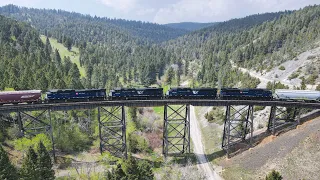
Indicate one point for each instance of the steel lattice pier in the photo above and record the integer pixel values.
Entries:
(112, 130)
(282, 116)
(32, 123)
(238, 126)
(176, 132)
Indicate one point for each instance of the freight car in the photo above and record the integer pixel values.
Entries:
(75, 95)
(15, 97)
(252, 94)
(306, 95)
(136, 93)
(189, 93)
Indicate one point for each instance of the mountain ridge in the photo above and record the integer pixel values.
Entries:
(150, 32)
(190, 26)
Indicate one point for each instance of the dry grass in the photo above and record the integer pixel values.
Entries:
(295, 154)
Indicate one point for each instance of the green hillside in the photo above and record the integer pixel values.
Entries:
(64, 52)
(27, 63)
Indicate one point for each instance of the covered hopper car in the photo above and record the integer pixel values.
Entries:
(306, 95)
(15, 97)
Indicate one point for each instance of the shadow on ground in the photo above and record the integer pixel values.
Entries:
(242, 146)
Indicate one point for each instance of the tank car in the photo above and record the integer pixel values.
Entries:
(307, 95)
(136, 93)
(15, 97)
(191, 93)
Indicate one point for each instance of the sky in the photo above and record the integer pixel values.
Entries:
(167, 11)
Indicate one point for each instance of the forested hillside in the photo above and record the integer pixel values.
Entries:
(190, 26)
(27, 63)
(116, 53)
(192, 43)
(111, 55)
(85, 28)
(260, 41)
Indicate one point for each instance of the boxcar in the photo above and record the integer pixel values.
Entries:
(71, 94)
(286, 94)
(15, 97)
(136, 93)
(235, 93)
(189, 93)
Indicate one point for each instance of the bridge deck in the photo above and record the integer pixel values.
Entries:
(150, 103)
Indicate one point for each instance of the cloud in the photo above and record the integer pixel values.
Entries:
(27, 3)
(143, 12)
(221, 10)
(121, 5)
(166, 11)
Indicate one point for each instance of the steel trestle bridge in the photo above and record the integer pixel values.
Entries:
(238, 123)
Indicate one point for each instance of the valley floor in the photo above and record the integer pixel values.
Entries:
(198, 150)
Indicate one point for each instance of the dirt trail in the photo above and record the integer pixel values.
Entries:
(199, 149)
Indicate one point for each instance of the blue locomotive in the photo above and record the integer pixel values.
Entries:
(136, 93)
(191, 93)
(75, 95)
(235, 93)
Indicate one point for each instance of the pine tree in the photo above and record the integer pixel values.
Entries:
(303, 84)
(57, 57)
(118, 173)
(7, 170)
(186, 68)
(274, 175)
(131, 168)
(29, 167)
(178, 78)
(145, 171)
(48, 47)
(133, 113)
(74, 77)
(44, 163)
(170, 75)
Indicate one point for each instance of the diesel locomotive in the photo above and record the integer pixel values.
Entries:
(68, 95)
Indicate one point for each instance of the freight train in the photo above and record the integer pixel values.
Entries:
(68, 95)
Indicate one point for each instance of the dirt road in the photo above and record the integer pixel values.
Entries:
(291, 66)
(198, 150)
